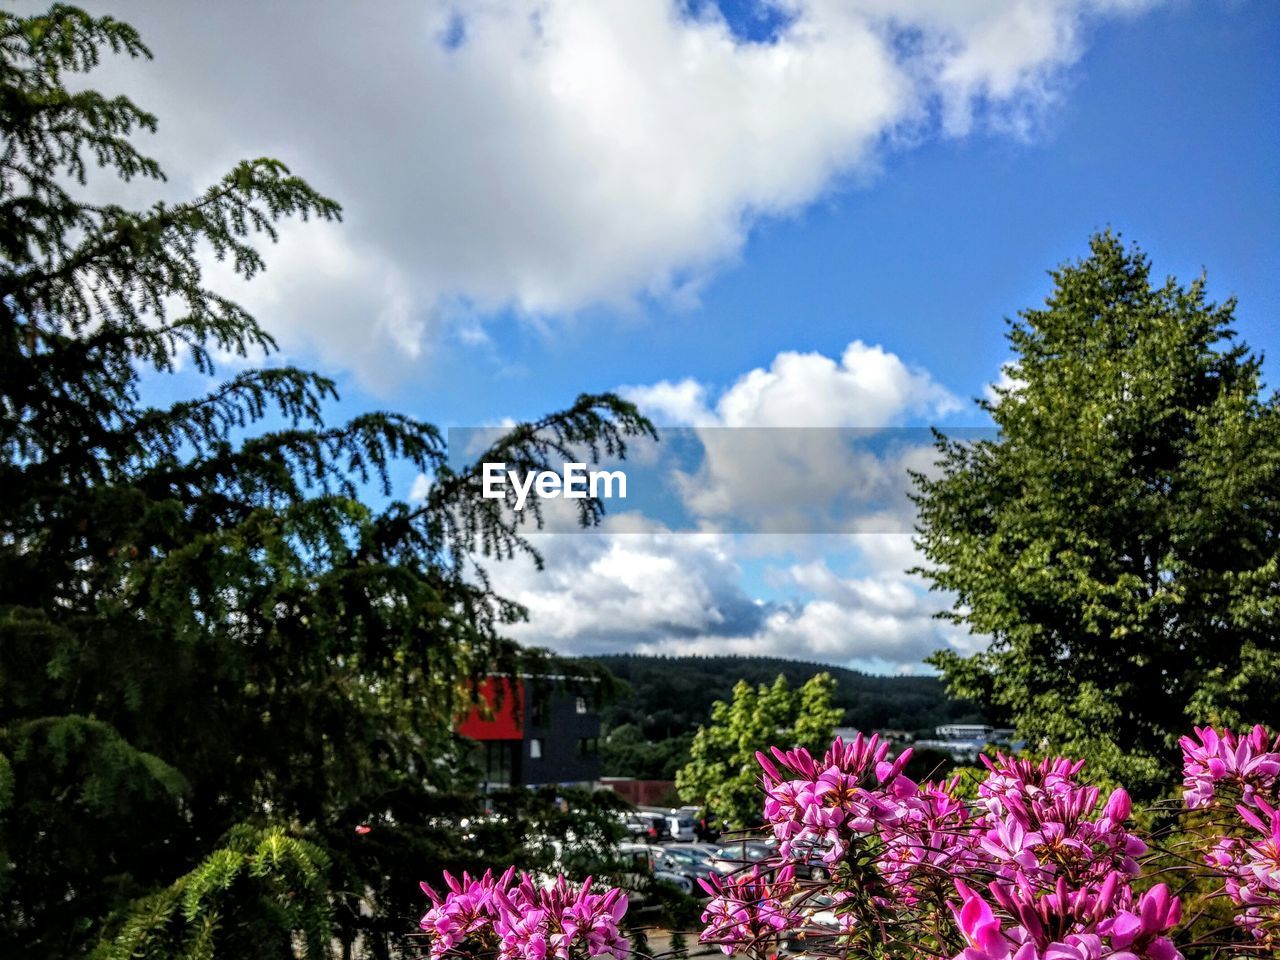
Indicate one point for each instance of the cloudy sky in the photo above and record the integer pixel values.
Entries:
(795, 213)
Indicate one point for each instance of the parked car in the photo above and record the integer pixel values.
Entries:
(675, 824)
(739, 854)
(644, 860)
(702, 825)
(646, 827)
(687, 859)
(634, 825)
(682, 827)
(806, 859)
(808, 862)
(816, 936)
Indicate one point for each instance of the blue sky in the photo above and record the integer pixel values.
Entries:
(708, 206)
(1167, 131)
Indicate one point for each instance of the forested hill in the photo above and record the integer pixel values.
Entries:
(672, 695)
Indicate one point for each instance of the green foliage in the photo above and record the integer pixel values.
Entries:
(722, 774)
(1118, 544)
(204, 626)
(626, 752)
(261, 894)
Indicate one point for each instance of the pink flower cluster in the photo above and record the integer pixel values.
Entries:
(933, 842)
(854, 790)
(749, 907)
(1244, 765)
(1041, 822)
(1085, 924)
(1053, 855)
(1041, 866)
(519, 921)
(1240, 777)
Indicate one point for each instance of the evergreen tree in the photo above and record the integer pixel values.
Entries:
(227, 682)
(722, 774)
(1118, 543)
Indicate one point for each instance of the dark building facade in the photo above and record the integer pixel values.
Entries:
(533, 732)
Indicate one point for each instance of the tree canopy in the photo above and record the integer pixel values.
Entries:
(227, 681)
(722, 774)
(1118, 542)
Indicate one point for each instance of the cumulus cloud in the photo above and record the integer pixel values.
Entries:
(658, 592)
(549, 155)
(867, 386)
(618, 592)
(420, 489)
(800, 446)
(828, 632)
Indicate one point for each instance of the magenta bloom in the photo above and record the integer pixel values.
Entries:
(467, 909)
(1042, 866)
(852, 791)
(524, 922)
(1090, 923)
(1250, 763)
(748, 908)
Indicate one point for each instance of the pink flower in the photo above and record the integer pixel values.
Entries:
(748, 908)
(852, 790)
(1089, 923)
(468, 908)
(1249, 763)
(1143, 932)
(523, 921)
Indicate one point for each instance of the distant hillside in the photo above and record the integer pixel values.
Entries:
(670, 696)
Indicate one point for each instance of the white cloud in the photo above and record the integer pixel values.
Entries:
(419, 489)
(668, 404)
(563, 153)
(830, 633)
(868, 387)
(789, 476)
(625, 586)
(1007, 383)
(351, 310)
(658, 592)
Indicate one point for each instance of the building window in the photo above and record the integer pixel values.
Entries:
(587, 747)
(581, 705)
(497, 759)
(535, 748)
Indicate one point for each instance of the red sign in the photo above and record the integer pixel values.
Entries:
(499, 714)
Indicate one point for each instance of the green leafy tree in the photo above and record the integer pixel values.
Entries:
(722, 774)
(626, 752)
(227, 682)
(1118, 543)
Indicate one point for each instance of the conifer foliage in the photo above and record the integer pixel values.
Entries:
(217, 660)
